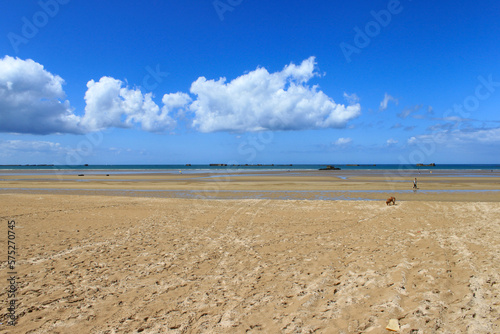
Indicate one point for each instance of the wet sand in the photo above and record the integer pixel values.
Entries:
(100, 262)
(375, 185)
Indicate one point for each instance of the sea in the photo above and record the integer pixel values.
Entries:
(225, 168)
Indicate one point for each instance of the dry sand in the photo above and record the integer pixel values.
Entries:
(122, 264)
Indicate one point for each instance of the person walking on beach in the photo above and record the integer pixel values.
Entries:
(415, 184)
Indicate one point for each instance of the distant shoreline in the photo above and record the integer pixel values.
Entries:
(255, 167)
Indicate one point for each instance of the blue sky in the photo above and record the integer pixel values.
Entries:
(239, 81)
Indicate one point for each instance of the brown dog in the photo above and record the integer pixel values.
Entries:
(391, 199)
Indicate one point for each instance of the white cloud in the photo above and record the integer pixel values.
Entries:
(391, 141)
(260, 100)
(32, 99)
(385, 101)
(111, 104)
(176, 101)
(343, 141)
(14, 147)
(485, 136)
(413, 140)
(351, 98)
(460, 137)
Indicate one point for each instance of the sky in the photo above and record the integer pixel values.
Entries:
(248, 82)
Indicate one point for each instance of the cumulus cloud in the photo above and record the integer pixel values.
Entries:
(32, 99)
(385, 101)
(260, 100)
(109, 103)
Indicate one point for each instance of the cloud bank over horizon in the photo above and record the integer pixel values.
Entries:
(33, 101)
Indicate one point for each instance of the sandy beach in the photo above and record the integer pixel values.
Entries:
(203, 254)
(378, 185)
